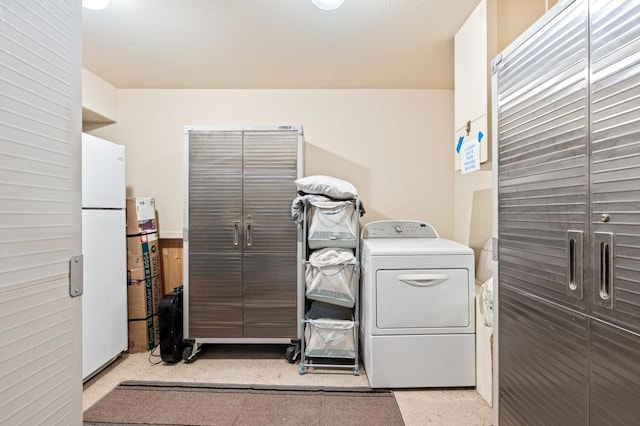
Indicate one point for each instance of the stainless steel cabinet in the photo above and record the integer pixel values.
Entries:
(241, 249)
(567, 109)
(615, 162)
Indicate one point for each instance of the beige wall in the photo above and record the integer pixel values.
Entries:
(515, 16)
(395, 146)
(505, 21)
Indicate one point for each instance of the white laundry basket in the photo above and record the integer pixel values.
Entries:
(330, 276)
(332, 224)
(329, 338)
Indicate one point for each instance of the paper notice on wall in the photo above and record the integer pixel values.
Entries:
(146, 208)
(469, 156)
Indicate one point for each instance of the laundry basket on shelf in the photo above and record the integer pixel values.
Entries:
(330, 276)
(330, 338)
(332, 224)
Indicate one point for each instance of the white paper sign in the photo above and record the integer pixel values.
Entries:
(470, 156)
(145, 208)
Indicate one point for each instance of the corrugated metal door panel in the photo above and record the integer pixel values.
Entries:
(268, 190)
(215, 234)
(543, 362)
(543, 162)
(615, 159)
(272, 152)
(37, 336)
(269, 274)
(215, 295)
(215, 190)
(270, 295)
(615, 375)
(40, 224)
(37, 146)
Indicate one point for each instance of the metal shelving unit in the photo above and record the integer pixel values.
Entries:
(331, 342)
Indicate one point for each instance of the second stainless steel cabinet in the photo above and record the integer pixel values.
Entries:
(566, 109)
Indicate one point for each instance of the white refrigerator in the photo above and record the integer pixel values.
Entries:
(104, 247)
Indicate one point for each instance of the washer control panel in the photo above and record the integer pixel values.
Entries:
(398, 229)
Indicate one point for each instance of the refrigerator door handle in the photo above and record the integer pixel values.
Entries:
(575, 256)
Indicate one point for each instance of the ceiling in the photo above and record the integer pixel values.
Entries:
(274, 44)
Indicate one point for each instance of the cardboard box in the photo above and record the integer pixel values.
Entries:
(143, 298)
(144, 286)
(144, 334)
(141, 216)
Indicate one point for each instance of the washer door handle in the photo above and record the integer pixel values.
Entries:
(423, 280)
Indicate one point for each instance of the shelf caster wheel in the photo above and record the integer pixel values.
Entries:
(356, 371)
(291, 354)
(302, 370)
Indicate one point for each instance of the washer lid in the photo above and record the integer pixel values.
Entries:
(412, 247)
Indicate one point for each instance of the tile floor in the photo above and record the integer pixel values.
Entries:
(265, 364)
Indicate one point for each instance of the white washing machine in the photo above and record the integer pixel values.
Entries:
(417, 325)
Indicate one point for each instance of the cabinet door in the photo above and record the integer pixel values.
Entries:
(215, 234)
(615, 161)
(40, 212)
(542, 135)
(544, 376)
(270, 171)
(270, 295)
(614, 375)
(269, 244)
(542, 113)
(542, 169)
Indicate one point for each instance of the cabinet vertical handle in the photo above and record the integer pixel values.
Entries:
(572, 264)
(575, 264)
(249, 234)
(236, 234)
(604, 269)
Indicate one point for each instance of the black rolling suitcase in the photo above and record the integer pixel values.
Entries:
(171, 326)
